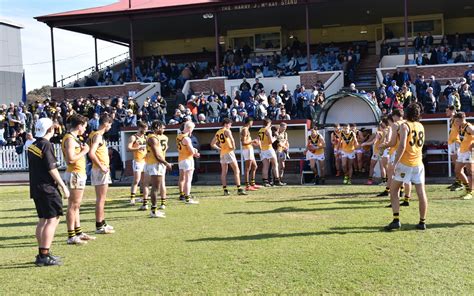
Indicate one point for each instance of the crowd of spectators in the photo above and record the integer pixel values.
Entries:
(452, 49)
(398, 90)
(237, 63)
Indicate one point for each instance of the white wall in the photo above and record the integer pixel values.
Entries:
(269, 83)
(350, 110)
(11, 64)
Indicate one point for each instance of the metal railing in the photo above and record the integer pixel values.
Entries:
(10, 160)
(101, 66)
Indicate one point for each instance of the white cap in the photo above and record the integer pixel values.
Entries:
(42, 126)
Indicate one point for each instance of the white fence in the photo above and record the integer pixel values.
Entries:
(12, 161)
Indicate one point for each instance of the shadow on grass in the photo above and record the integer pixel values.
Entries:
(332, 231)
(405, 227)
(18, 266)
(19, 224)
(330, 196)
(296, 210)
(18, 245)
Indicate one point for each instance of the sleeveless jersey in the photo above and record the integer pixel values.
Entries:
(412, 156)
(183, 151)
(162, 147)
(453, 133)
(80, 165)
(247, 139)
(102, 152)
(223, 141)
(266, 142)
(315, 142)
(348, 142)
(139, 155)
(466, 138)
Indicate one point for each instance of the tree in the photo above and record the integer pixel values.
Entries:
(39, 94)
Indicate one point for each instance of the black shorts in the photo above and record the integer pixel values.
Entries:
(49, 206)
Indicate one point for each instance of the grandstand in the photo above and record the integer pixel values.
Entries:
(193, 52)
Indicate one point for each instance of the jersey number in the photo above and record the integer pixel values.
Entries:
(261, 135)
(417, 139)
(163, 145)
(221, 138)
(179, 145)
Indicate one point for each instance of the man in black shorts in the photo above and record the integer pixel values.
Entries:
(44, 183)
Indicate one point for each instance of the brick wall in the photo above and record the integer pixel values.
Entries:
(308, 79)
(443, 73)
(60, 94)
(205, 85)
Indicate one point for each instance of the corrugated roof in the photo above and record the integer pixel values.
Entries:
(122, 5)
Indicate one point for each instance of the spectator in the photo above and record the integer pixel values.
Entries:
(213, 110)
(94, 122)
(436, 86)
(244, 86)
(466, 98)
(429, 40)
(429, 101)
(234, 116)
(454, 100)
(257, 86)
(418, 42)
(302, 101)
(130, 119)
(163, 105)
(201, 118)
(398, 77)
(224, 111)
(283, 115)
(353, 89)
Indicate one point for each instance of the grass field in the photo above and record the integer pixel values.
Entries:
(292, 240)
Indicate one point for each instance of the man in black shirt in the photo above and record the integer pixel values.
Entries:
(44, 182)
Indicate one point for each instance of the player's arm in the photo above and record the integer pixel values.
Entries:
(309, 146)
(155, 149)
(403, 131)
(95, 160)
(214, 143)
(228, 134)
(321, 142)
(71, 155)
(393, 139)
(131, 141)
(371, 140)
(356, 143)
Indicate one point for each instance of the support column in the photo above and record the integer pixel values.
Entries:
(53, 57)
(308, 41)
(406, 32)
(216, 31)
(96, 58)
(132, 50)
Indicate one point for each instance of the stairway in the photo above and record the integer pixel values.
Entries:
(365, 76)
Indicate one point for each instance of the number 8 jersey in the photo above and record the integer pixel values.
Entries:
(412, 156)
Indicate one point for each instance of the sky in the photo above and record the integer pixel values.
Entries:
(74, 51)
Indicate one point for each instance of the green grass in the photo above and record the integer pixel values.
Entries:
(293, 240)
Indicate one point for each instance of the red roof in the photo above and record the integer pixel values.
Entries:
(122, 5)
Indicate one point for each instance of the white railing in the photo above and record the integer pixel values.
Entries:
(12, 161)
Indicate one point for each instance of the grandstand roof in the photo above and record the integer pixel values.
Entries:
(156, 19)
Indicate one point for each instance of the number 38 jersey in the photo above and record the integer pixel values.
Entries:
(162, 147)
(224, 141)
(412, 156)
